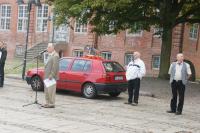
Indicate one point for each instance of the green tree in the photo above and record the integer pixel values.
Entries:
(124, 14)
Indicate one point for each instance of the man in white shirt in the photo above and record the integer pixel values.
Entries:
(135, 71)
(179, 73)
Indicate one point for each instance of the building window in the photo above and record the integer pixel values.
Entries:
(155, 61)
(61, 33)
(79, 27)
(22, 17)
(42, 18)
(194, 31)
(111, 26)
(137, 31)
(157, 32)
(77, 53)
(106, 55)
(5, 13)
(128, 58)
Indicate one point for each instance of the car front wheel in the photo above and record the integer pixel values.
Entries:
(89, 91)
(36, 83)
(114, 94)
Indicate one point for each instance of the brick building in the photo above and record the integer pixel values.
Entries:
(73, 41)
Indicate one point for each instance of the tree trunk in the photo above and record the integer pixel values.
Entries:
(96, 40)
(165, 52)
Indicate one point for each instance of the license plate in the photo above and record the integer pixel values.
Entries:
(119, 78)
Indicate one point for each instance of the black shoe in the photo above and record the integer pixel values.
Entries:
(170, 111)
(178, 113)
(134, 104)
(127, 103)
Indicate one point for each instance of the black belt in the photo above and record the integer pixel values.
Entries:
(134, 65)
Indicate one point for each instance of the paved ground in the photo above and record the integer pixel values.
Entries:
(74, 114)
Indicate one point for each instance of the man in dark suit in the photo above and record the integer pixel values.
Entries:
(3, 55)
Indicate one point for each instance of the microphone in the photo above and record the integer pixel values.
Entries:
(43, 51)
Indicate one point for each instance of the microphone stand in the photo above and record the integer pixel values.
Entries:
(36, 91)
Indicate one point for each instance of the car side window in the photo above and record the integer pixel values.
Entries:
(87, 66)
(64, 64)
(78, 65)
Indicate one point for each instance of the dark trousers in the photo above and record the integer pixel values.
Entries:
(133, 88)
(1, 75)
(178, 88)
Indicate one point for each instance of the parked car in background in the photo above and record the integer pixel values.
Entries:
(89, 75)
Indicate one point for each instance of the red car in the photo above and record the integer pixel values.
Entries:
(89, 75)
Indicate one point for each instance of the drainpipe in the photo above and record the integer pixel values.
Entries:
(197, 45)
(181, 38)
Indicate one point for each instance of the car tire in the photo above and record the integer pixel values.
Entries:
(37, 84)
(89, 91)
(114, 94)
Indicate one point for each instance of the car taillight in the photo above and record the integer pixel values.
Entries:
(107, 77)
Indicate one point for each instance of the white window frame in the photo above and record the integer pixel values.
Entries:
(111, 27)
(153, 59)
(82, 27)
(125, 58)
(194, 30)
(137, 33)
(134, 34)
(105, 55)
(77, 53)
(6, 16)
(42, 18)
(155, 30)
(23, 18)
(61, 33)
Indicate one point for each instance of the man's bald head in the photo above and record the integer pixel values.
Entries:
(180, 57)
(50, 47)
(2, 44)
(136, 55)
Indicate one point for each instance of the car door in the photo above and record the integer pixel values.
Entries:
(64, 64)
(79, 73)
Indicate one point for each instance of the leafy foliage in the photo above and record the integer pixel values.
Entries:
(125, 14)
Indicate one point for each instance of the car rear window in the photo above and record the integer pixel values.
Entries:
(113, 67)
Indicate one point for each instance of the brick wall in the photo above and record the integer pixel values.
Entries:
(191, 50)
(13, 37)
(119, 45)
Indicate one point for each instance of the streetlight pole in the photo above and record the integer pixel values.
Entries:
(30, 2)
(53, 25)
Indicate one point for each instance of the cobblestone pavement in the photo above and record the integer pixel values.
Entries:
(74, 114)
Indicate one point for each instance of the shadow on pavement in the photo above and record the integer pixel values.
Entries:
(104, 97)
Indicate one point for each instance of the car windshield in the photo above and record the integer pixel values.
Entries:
(113, 67)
